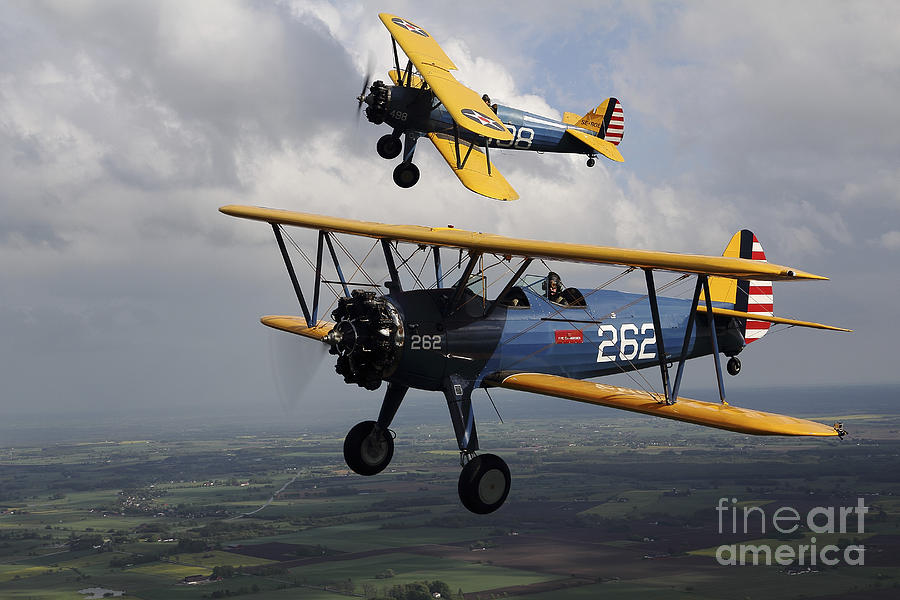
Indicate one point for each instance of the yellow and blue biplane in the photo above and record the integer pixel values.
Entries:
(426, 100)
(449, 331)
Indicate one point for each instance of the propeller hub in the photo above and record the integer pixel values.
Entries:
(367, 338)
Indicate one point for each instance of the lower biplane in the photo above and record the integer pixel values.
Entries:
(528, 336)
(426, 100)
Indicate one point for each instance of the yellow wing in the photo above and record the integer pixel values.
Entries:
(605, 148)
(722, 266)
(727, 312)
(298, 326)
(464, 105)
(474, 173)
(709, 414)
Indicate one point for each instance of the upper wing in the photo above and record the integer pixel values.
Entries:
(721, 266)
(607, 149)
(709, 414)
(474, 173)
(298, 325)
(464, 105)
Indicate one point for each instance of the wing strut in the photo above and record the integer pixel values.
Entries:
(438, 274)
(462, 163)
(702, 284)
(508, 286)
(692, 316)
(395, 285)
(324, 238)
(715, 338)
(463, 282)
(293, 275)
(660, 347)
(337, 265)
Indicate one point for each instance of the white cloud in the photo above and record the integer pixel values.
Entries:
(890, 240)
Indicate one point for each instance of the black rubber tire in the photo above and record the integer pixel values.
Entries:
(591, 162)
(367, 452)
(406, 175)
(389, 146)
(734, 365)
(484, 484)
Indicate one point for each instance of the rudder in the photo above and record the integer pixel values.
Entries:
(607, 121)
(745, 295)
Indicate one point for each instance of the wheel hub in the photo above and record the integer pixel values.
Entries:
(373, 449)
(492, 486)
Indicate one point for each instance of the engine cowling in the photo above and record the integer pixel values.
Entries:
(378, 99)
(367, 338)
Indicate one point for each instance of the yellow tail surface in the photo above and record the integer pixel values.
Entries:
(607, 121)
(745, 295)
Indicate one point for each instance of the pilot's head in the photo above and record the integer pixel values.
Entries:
(554, 284)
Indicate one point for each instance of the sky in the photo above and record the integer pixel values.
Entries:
(125, 125)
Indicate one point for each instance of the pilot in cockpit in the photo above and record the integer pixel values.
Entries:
(554, 289)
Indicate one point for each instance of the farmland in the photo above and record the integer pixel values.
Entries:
(615, 505)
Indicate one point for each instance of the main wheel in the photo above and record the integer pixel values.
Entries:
(734, 365)
(389, 146)
(368, 449)
(406, 174)
(484, 484)
(591, 162)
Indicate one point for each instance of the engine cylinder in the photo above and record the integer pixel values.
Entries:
(367, 338)
(378, 100)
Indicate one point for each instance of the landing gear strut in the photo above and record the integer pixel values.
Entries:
(734, 365)
(484, 484)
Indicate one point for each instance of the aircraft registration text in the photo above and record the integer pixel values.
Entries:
(622, 342)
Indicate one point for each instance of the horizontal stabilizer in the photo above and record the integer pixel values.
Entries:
(709, 414)
(298, 326)
(570, 118)
(726, 312)
(597, 145)
(474, 174)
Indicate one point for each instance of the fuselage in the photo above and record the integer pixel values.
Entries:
(611, 333)
(412, 109)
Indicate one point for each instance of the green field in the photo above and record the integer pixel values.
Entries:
(621, 508)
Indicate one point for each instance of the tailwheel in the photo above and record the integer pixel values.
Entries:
(484, 484)
(734, 365)
(591, 162)
(389, 146)
(368, 449)
(406, 174)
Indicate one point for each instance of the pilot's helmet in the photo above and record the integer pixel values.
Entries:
(554, 283)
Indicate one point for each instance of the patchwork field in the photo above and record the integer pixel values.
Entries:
(622, 507)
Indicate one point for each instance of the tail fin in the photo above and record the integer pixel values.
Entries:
(608, 120)
(746, 295)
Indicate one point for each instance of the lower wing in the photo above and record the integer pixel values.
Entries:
(709, 414)
(298, 326)
(474, 173)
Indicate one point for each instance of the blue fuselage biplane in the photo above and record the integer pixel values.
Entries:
(463, 126)
(533, 335)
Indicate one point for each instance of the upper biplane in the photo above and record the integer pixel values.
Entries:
(447, 332)
(426, 100)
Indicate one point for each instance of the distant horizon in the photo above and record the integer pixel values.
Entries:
(24, 427)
